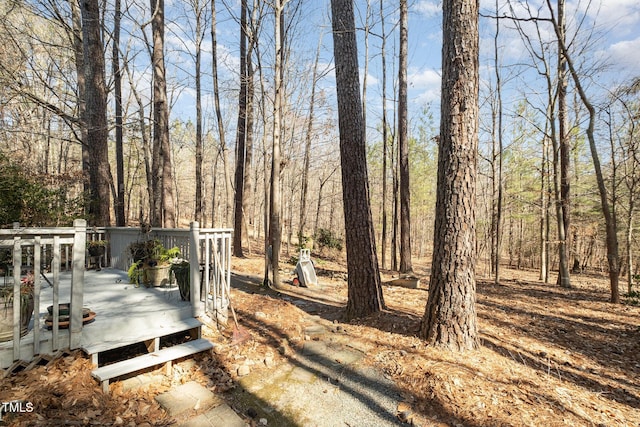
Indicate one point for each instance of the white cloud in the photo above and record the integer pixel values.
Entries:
(424, 86)
(622, 16)
(428, 8)
(625, 53)
(424, 79)
(426, 97)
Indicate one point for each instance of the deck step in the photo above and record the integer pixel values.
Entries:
(164, 356)
(149, 335)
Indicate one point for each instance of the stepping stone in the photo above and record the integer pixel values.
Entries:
(346, 357)
(185, 397)
(221, 415)
(314, 348)
(141, 381)
(301, 375)
(315, 330)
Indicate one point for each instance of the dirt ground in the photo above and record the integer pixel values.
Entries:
(549, 356)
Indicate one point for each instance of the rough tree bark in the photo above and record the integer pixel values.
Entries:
(403, 144)
(95, 117)
(241, 134)
(384, 137)
(198, 11)
(564, 279)
(275, 226)
(78, 50)
(364, 287)
(163, 206)
(117, 93)
(450, 319)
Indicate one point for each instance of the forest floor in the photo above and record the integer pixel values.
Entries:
(548, 356)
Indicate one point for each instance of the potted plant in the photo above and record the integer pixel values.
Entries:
(153, 259)
(97, 247)
(7, 306)
(181, 270)
(136, 273)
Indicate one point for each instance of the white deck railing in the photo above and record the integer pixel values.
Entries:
(51, 250)
(28, 246)
(210, 264)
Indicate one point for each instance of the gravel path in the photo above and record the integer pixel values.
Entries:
(324, 385)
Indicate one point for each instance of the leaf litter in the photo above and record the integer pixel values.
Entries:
(548, 356)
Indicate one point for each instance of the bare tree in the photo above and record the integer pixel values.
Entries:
(450, 317)
(275, 226)
(385, 137)
(241, 134)
(95, 118)
(307, 147)
(117, 92)
(564, 279)
(496, 162)
(609, 214)
(364, 288)
(219, 121)
(163, 207)
(403, 144)
(198, 9)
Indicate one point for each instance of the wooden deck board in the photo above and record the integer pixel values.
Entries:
(145, 334)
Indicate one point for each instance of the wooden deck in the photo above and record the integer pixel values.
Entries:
(124, 315)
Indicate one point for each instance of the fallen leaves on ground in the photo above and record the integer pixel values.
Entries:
(548, 356)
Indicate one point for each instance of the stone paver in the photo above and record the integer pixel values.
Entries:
(301, 375)
(141, 381)
(220, 416)
(187, 396)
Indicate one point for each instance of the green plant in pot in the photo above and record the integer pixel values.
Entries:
(154, 260)
(181, 270)
(136, 273)
(7, 306)
(97, 247)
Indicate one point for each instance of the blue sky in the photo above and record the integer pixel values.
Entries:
(613, 26)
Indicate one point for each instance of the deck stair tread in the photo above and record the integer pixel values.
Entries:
(105, 373)
(144, 335)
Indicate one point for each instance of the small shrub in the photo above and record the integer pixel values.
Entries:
(327, 239)
(633, 298)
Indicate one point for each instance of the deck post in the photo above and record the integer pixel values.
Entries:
(37, 248)
(77, 282)
(17, 301)
(194, 263)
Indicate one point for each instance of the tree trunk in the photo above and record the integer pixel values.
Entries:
(563, 140)
(613, 260)
(241, 134)
(364, 287)
(403, 144)
(307, 149)
(76, 16)
(450, 316)
(96, 115)
(219, 121)
(275, 227)
(164, 208)
(198, 12)
(384, 138)
(117, 92)
(247, 193)
(543, 213)
(498, 214)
